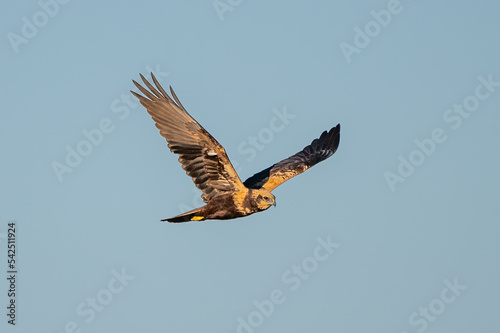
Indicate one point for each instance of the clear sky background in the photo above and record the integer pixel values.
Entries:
(411, 250)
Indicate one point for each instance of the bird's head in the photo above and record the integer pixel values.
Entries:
(263, 199)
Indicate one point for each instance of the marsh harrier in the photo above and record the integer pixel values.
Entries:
(206, 162)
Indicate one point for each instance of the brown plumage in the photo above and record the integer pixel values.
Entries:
(206, 162)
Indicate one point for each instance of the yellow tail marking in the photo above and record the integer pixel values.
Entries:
(197, 218)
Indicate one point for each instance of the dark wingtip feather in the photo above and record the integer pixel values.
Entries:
(336, 137)
(135, 94)
(136, 84)
(157, 84)
(175, 98)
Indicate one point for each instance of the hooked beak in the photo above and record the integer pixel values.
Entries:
(274, 203)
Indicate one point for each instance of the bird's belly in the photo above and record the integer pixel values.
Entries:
(225, 208)
(224, 214)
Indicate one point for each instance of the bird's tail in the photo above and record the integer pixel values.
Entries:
(192, 215)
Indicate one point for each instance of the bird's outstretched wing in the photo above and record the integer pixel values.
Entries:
(201, 156)
(319, 150)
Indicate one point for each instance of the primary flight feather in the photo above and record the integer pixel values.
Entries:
(206, 162)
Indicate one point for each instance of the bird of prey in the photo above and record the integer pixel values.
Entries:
(206, 162)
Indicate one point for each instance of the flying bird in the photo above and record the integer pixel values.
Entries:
(205, 160)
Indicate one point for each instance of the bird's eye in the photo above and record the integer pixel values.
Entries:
(266, 197)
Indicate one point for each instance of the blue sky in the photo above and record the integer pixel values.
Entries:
(397, 232)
